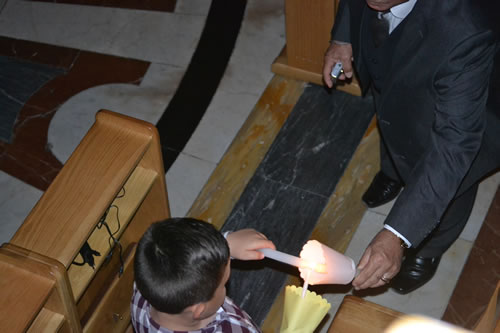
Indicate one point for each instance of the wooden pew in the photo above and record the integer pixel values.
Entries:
(114, 180)
(355, 315)
(308, 27)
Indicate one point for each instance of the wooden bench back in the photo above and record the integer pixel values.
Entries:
(113, 180)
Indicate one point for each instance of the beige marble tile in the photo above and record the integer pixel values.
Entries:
(76, 116)
(160, 37)
(185, 179)
(261, 38)
(384, 209)
(146, 101)
(485, 194)
(192, 7)
(220, 124)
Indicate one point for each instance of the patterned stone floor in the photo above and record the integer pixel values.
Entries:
(200, 71)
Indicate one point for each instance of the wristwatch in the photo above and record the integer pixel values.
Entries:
(403, 243)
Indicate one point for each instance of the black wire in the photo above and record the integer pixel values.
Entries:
(112, 241)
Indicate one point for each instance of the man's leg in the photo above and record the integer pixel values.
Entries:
(453, 222)
(386, 185)
(420, 264)
(386, 163)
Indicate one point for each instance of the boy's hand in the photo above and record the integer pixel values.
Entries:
(243, 244)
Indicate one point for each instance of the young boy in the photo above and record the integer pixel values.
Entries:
(181, 268)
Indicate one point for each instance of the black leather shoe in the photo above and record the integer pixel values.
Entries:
(415, 272)
(382, 190)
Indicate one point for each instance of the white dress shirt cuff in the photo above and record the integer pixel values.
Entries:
(339, 42)
(225, 234)
(403, 238)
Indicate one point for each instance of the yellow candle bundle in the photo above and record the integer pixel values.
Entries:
(302, 315)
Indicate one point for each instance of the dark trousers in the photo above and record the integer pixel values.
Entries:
(386, 163)
(453, 221)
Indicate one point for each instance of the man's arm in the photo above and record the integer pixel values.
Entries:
(461, 87)
(340, 49)
(341, 30)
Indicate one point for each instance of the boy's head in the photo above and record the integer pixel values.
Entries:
(181, 262)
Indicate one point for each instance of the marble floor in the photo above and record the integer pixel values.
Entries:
(62, 61)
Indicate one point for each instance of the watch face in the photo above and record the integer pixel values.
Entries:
(403, 243)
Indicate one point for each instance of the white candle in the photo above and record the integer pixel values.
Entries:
(293, 260)
(282, 257)
(339, 269)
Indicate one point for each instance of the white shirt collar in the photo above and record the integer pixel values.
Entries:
(402, 10)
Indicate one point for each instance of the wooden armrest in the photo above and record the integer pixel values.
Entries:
(356, 315)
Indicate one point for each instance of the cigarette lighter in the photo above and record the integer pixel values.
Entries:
(337, 70)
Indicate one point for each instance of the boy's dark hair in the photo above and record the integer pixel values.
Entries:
(180, 262)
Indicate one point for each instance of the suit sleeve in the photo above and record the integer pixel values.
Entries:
(341, 26)
(461, 90)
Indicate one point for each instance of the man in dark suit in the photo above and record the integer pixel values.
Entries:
(430, 66)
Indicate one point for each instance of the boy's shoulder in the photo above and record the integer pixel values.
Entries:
(231, 318)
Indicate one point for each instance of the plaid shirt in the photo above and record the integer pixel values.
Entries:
(229, 318)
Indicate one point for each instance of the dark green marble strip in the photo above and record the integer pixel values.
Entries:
(19, 80)
(291, 187)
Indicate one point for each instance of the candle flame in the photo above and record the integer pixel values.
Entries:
(317, 267)
(333, 266)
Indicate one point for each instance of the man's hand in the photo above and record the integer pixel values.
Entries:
(337, 53)
(382, 259)
(244, 243)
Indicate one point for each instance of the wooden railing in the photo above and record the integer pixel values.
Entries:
(105, 197)
(308, 26)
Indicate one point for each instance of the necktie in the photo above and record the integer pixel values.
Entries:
(380, 28)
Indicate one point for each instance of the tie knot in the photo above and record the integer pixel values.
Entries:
(383, 15)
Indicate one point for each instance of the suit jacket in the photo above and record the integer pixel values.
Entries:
(441, 130)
